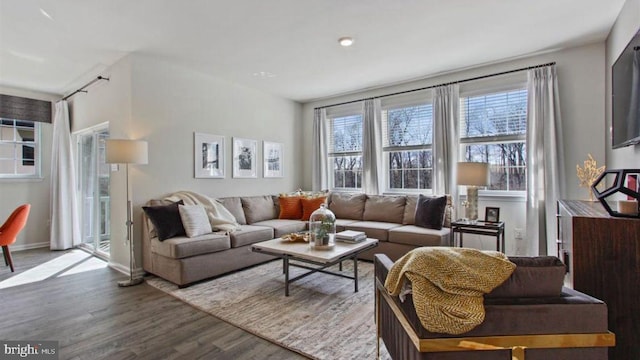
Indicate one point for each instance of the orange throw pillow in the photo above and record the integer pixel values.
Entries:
(290, 208)
(309, 205)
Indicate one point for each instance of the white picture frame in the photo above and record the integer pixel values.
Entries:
(273, 159)
(208, 156)
(245, 157)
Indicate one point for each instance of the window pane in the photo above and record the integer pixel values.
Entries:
(346, 134)
(495, 114)
(407, 126)
(18, 148)
(507, 164)
(347, 172)
(410, 169)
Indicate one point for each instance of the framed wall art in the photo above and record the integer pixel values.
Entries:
(208, 156)
(245, 156)
(273, 159)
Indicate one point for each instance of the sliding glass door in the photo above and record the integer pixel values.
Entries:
(93, 188)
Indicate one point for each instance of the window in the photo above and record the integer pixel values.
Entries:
(345, 151)
(19, 149)
(407, 136)
(493, 129)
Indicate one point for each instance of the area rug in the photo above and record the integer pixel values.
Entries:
(322, 318)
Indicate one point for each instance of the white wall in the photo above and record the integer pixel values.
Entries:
(36, 192)
(172, 102)
(165, 104)
(625, 27)
(581, 81)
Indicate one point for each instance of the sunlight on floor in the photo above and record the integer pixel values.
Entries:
(73, 262)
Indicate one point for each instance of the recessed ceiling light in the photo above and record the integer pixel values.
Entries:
(346, 41)
(46, 14)
(263, 74)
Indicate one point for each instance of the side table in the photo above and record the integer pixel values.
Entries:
(479, 227)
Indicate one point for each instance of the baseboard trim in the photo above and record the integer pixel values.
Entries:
(20, 247)
(125, 270)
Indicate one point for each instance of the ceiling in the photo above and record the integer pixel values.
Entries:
(286, 47)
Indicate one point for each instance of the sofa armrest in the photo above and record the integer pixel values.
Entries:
(382, 264)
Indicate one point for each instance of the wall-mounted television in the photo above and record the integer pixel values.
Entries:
(625, 124)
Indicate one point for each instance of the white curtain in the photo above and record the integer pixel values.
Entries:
(445, 153)
(371, 147)
(545, 168)
(65, 225)
(319, 158)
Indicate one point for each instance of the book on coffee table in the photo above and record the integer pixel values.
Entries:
(351, 236)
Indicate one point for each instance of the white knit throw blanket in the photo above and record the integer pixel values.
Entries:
(219, 217)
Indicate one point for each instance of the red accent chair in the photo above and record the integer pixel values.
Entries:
(11, 228)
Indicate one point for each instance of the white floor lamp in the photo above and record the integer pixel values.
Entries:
(472, 175)
(120, 151)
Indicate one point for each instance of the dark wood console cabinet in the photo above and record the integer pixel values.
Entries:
(602, 255)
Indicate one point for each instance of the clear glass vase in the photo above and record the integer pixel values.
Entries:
(322, 228)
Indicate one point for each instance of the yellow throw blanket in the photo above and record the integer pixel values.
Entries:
(448, 284)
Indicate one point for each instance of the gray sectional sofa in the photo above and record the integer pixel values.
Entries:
(390, 219)
(183, 260)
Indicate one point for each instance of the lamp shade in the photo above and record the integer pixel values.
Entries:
(121, 151)
(473, 174)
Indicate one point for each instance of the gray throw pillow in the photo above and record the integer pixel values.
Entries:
(166, 219)
(430, 211)
(195, 220)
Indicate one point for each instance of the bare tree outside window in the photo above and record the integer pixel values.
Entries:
(407, 143)
(493, 128)
(346, 151)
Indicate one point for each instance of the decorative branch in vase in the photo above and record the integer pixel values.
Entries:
(588, 174)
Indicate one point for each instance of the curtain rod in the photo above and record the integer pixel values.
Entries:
(82, 89)
(443, 84)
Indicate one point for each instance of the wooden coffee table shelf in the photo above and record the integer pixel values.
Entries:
(321, 259)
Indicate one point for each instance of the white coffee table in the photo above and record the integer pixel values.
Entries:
(322, 259)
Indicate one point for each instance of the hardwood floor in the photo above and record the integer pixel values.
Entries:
(92, 318)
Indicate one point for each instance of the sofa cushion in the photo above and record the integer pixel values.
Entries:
(374, 229)
(384, 208)
(258, 208)
(290, 207)
(309, 205)
(234, 205)
(540, 276)
(250, 234)
(276, 203)
(165, 219)
(419, 236)
(182, 246)
(342, 223)
(347, 206)
(430, 212)
(283, 226)
(195, 220)
(409, 216)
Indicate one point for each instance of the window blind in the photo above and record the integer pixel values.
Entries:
(345, 135)
(405, 128)
(494, 115)
(19, 108)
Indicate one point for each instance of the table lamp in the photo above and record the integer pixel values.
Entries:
(472, 175)
(120, 151)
